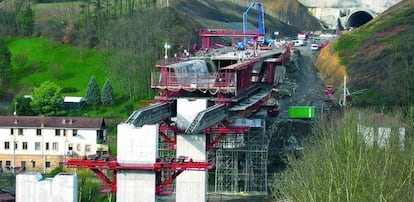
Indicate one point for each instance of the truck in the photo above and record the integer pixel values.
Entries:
(302, 36)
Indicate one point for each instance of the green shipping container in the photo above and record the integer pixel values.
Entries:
(302, 112)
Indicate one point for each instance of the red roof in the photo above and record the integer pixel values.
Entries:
(50, 122)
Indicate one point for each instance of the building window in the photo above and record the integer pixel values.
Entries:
(24, 145)
(74, 132)
(33, 163)
(8, 165)
(87, 148)
(6, 145)
(55, 146)
(78, 147)
(57, 132)
(47, 165)
(70, 149)
(23, 165)
(20, 131)
(64, 132)
(100, 136)
(47, 146)
(11, 131)
(37, 146)
(38, 132)
(15, 145)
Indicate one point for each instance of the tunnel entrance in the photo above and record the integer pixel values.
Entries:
(358, 19)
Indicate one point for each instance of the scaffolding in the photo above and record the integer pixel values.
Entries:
(241, 162)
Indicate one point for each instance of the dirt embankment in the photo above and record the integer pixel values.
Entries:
(329, 66)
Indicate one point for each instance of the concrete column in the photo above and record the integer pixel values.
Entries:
(138, 147)
(192, 185)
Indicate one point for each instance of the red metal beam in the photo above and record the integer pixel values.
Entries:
(175, 167)
(222, 131)
(163, 129)
(100, 174)
(210, 145)
(172, 144)
(226, 130)
(228, 33)
(173, 129)
(171, 178)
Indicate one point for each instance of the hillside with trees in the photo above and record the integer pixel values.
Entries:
(117, 41)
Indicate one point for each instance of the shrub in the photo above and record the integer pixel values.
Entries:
(21, 60)
(338, 165)
(69, 90)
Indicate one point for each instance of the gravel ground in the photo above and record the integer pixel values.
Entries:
(305, 83)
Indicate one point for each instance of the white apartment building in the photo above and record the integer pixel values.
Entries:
(40, 144)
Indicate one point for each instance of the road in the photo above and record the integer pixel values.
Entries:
(304, 83)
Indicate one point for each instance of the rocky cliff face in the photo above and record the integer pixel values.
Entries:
(293, 13)
(226, 15)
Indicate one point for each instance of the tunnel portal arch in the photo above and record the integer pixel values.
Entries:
(359, 18)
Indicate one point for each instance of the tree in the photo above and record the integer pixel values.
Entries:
(93, 94)
(22, 106)
(25, 21)
(5, 63)
(108, 95)
(47, 99)
(7, 22)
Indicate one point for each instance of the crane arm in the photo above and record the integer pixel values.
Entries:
(260, 16)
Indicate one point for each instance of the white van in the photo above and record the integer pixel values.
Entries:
(299, 43)
(314, 46)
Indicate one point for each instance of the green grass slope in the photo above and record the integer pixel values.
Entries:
(36, 60)
(379, 58)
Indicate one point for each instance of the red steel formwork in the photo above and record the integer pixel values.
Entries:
(174, 167)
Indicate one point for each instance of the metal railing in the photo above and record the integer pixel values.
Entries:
(194, 81)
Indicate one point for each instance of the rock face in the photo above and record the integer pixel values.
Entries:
(347, 13)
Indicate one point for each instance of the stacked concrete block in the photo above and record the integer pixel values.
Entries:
(32, 187)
